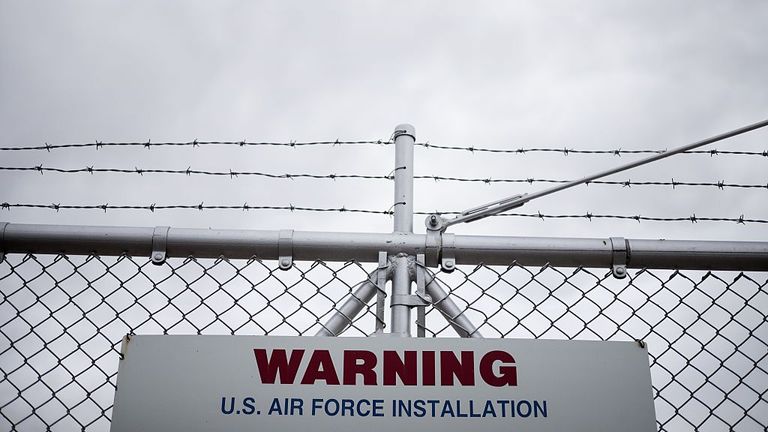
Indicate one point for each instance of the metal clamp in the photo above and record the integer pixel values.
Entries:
(159, 244)
(420, 299)
(440, 247)
(421, 292)
(285, 249)
(410, 300)
(421, 283)
(432, 248)
(448, 253)
(619, 257)
(381, 294)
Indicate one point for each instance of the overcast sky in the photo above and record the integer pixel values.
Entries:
(506, 75)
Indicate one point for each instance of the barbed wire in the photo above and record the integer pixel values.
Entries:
(201, 206)
(625, 183)
(149, 144)
(343, 209)
(189, 171)
(293, 144)
(568, 151)
(290, 176)
(638, 218)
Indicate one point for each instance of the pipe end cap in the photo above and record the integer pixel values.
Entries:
(405, 129)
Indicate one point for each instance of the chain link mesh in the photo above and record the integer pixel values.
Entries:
(62, 319)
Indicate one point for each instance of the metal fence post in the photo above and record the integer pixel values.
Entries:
(405, 136)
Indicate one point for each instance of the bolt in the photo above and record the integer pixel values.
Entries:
(285, 262)
(433, 220)
(448, 266)
(158, 256)
(620, 271)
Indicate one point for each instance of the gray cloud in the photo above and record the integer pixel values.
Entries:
(504, 75)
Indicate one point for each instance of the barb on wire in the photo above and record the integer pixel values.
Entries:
(568, 151)
(200, 206)
(195, 143)
(720, 184)
(189, 171)
(293, 144)
(343, 209)
(589, 216)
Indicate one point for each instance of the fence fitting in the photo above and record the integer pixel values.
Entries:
(620, 254)
(403, 268)
(160, 245)
(285, 249)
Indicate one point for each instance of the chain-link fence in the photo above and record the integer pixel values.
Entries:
(62, 319)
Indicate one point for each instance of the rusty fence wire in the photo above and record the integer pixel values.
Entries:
(62, 319)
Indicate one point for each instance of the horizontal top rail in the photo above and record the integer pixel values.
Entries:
(365, 247)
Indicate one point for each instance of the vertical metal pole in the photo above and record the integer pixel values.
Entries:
(401, 289)
(405, 136)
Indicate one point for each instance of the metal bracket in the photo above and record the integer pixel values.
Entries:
(410, 300)
(619, 257)
(285, 249)
(159, 244)
(124, 346)
(432, 248)
(448, 253)
(440, 247)
(381, 294)
(421, 292)
(420, 299)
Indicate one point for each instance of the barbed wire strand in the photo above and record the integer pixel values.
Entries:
(149, 144)
(246, 207)
(233, 174)
(569, 151)
(472, 149)
(189, 171)
(625, 183)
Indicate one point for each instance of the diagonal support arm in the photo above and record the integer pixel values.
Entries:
(345, 315)
(435, 222)
(447, 307)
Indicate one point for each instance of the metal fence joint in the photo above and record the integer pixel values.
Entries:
(382, 274)
(421, 292)
(620, 255)
(448, 253)
(285, 249)
(433, 240)
(159, 244)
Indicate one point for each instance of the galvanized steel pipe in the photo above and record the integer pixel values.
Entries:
(364, 247)
(405, 136)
